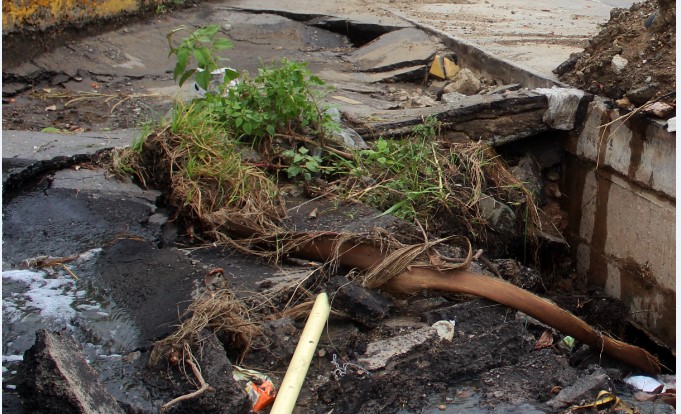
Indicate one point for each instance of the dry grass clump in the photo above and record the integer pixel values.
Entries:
(218, 310)
(199, 165)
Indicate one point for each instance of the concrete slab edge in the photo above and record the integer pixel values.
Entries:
(476, 59)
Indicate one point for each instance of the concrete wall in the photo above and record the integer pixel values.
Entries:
(621, 200)
(18, 15)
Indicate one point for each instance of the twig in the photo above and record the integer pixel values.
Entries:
(345, 155)
(69, 270)
(489, 265)
(197, 373)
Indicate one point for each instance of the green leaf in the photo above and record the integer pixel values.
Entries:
(222, 44)
(51, 130)
(303, 150)
(270, 129)
(202, 79)
(186, 76)
(182, 60)
(208, 30)
(312, 165)
(238, 122)
(293, 171)
(230, 75)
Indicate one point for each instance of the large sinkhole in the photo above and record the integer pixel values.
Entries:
(565, 213)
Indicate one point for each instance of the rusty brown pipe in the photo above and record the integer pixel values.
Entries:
(323, 247)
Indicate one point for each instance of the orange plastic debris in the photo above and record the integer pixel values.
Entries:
(261, 395)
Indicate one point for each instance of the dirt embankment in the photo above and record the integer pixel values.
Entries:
(634, 55)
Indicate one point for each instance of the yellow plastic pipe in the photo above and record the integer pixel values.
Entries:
(300, 362)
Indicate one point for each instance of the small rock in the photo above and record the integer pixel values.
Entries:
(422, 102)
(585, 388)
(499, 216)
(504, 88)
(363, 305)
(379, 354)
(527, 171)
(618, 64)
(643, 94)
(452, 97)
(658, 109)
(441, 407)
(624, 103)
(568, 65)
(464, 82)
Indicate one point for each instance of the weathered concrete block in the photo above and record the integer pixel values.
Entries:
(401, 48)
(380, 353)
(59, 380)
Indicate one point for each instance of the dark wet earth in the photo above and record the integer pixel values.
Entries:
(132, 268)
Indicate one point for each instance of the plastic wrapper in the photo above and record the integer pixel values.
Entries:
(563, 104)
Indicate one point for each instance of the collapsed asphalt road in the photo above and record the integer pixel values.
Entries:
(124, 270)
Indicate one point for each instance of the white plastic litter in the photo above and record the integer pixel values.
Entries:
(671, 124)
(216, 79)
(563, 103)
(643, 383)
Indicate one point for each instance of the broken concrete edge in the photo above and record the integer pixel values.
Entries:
(476, 59)
(57, 373)
(477, 107)
(21, 163)
(337, 24)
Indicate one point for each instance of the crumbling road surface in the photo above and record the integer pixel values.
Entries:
(98, 273)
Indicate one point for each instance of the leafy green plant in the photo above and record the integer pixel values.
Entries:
(302, 163)
(201, 45)
(281, 99)
(429, 129)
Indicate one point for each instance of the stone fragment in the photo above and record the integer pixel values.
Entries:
(422, 101)
(380, 353)
(504, 88)
(499, 216)
(452, 97)
(643, 94)
(464, 82)
(658, 109)
(585, 388)
(618, 64)
(624, 103)
(527, 172)
(363, 305)
(397, 49)
(58, 376)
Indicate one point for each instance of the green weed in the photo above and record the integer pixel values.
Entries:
(202, 45)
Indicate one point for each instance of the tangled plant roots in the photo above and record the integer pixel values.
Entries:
(207, 180)
(217, 310)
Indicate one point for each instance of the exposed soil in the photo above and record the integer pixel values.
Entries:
(491, 363)
(645, 36)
